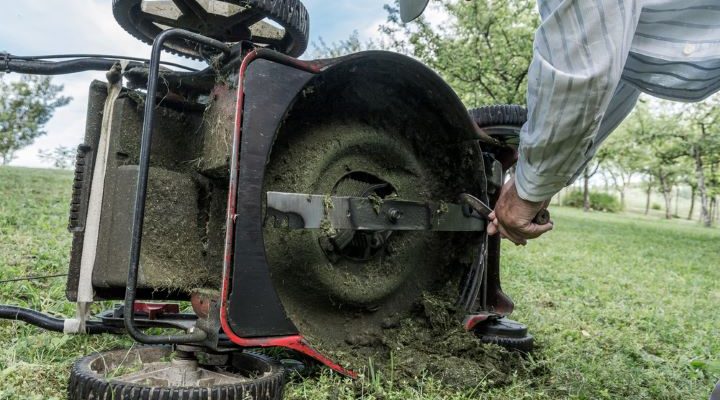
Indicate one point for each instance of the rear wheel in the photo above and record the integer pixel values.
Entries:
(506, 333)
(149, 373)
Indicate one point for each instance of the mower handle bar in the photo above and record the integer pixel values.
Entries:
(196, 335)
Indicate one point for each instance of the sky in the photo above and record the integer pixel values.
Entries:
(34, 27)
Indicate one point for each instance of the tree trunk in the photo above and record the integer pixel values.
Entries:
(648, 192)
(667, 195)
(677, 199)
(586, 190)
(668, 204)
(692, 202)
(622, 198)
(705, 216)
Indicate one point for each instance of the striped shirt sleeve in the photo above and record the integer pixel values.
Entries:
(580, 50)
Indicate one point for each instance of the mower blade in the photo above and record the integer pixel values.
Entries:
(312, 211)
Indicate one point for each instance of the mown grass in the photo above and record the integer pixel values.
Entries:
(622, 306)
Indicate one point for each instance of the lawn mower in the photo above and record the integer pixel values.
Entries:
(293, 203)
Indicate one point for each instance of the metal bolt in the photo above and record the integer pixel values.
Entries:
(394, 215)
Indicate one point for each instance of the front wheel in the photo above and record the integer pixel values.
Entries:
(158, 373)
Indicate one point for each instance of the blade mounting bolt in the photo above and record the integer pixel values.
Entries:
(394, 215)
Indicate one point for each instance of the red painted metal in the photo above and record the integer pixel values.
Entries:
(200, 303)
(294, 342)
(153, 310)
(472, 320)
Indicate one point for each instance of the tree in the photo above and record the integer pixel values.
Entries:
(713, 182)
(659, 147)
(673, 144)
(60, 157)
(26, 105)
(702, 137)
(483, 51)
(622, 160)
(648, 185)
(588, 172)
(352, 44)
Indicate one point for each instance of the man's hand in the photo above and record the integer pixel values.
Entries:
(513, 216)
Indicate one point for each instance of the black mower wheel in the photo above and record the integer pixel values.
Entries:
(502, 114)
(501, 122)
(141, 374)
(245, 24)
(524, 344)
(507, 333)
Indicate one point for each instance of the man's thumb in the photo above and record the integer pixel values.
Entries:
(534, 230)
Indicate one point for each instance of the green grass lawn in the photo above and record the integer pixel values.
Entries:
(621, 306)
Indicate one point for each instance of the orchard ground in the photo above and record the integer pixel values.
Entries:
(621, 306)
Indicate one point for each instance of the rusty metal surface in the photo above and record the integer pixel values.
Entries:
(295, 342)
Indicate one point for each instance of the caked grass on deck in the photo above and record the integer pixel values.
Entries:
(621, 306)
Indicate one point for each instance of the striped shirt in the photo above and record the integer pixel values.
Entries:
(591, 61)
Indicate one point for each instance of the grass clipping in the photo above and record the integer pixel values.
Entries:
(432, 342)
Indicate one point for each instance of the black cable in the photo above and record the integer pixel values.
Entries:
(49, 322)
(41, 67)
(32, 278)
(106, 56)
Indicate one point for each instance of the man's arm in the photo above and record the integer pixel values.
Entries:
(579, 54)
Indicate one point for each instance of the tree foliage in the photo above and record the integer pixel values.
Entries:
(673, 144)
(623, 158)
(352, 44)
(702, 146)
(60, 157)
(26, 105)
(483, 50)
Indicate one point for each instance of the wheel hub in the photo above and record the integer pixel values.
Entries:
(154, 372)
(358, 246)
(166, 370)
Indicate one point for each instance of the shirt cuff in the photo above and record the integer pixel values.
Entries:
(532, 186)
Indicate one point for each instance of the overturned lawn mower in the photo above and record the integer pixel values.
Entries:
(318, 206)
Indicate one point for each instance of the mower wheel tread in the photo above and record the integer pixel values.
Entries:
(88, 384)
(524, 344)
(290, 14)
(501, 114)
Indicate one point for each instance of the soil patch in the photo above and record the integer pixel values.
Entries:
(429, 342)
